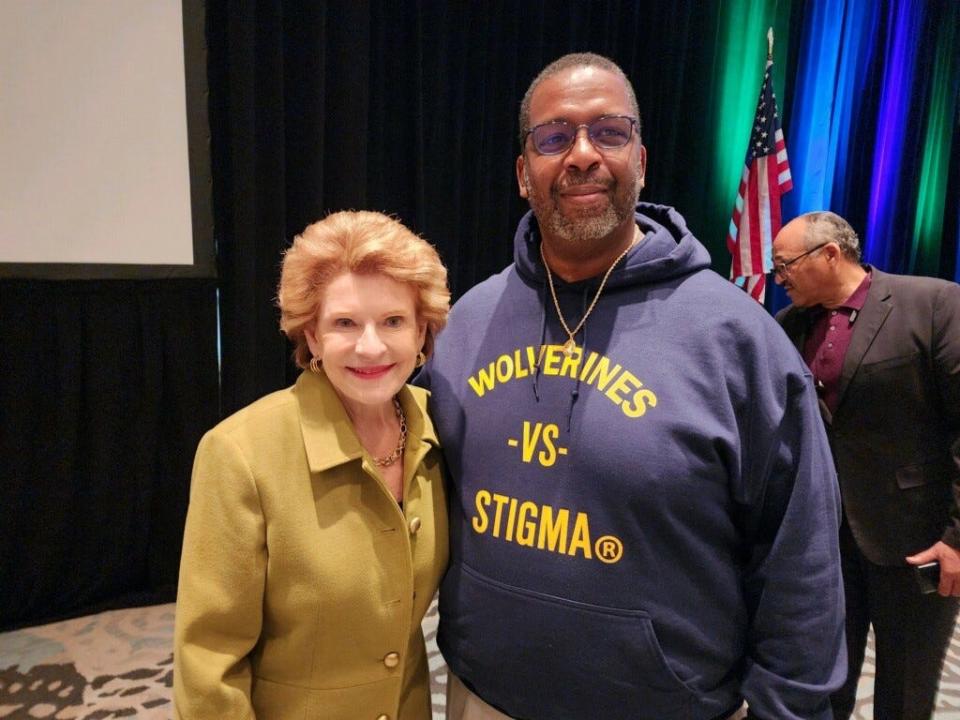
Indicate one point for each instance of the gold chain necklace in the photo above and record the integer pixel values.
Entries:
(570, 345)
(390, 459)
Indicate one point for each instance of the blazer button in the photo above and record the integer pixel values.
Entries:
(415, 525)
(391, 660)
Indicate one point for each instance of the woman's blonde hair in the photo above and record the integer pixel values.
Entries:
(365, 243)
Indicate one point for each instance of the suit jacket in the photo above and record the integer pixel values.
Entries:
(895, 433)
(302, 582)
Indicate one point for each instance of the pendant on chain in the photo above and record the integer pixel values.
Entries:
(570, 345)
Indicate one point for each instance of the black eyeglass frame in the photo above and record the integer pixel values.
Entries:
(781, 268)
(576, 131)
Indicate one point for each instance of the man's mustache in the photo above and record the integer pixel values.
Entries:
(575, 178)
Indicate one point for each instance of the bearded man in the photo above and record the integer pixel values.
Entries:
(644, 510)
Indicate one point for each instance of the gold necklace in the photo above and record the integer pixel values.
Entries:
(570, 345)
(390, 459)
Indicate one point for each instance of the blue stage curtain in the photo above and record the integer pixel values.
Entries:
(869, 128)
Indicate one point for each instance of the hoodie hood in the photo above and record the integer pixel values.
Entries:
(667, 250)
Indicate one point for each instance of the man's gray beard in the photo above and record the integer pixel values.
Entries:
(588, 229)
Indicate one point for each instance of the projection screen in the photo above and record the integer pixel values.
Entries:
(104, 140)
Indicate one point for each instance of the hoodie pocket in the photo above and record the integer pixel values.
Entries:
(536, 655)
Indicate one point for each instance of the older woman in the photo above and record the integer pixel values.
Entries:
(317, 528)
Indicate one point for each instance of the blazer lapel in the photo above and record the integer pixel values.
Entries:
(328, 435)
(422, 435)
(868, 323)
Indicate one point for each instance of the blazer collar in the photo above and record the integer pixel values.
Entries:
(328, 434)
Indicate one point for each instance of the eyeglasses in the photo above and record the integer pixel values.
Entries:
(780, 269)
(606, 133)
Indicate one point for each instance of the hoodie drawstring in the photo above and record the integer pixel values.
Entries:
(575, 393)
(543, 337)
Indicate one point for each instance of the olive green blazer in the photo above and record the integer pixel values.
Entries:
(302, 582)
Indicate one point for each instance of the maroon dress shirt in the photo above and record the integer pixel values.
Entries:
(828, 340)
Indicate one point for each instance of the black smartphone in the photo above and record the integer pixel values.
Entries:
(928, 576)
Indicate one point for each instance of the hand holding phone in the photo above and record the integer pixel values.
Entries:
(928, 576)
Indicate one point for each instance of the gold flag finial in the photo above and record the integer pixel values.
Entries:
(770, 43)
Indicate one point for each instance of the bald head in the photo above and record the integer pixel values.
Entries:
(824, 226)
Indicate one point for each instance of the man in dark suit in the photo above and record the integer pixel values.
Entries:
(884, 351)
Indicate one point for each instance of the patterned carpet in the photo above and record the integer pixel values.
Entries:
(118, 664)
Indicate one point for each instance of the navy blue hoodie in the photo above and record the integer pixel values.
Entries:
(647, 528)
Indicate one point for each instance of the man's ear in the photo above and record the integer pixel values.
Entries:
(642, 163)
(832, 251)
(521, 177)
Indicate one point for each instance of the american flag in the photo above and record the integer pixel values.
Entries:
(756, 213)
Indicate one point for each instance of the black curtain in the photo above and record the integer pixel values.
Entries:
(105, 389)
(411, 108)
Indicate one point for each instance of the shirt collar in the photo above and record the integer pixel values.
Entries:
(859, 296)
(855, 302)
(328, 434)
